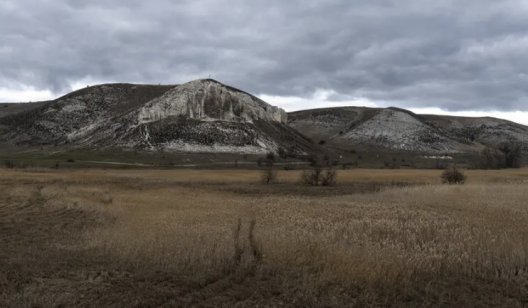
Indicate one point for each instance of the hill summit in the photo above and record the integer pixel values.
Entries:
(198, 116)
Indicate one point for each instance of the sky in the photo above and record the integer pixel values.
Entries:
(462, 57)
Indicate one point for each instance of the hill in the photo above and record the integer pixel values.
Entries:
(202, 116)
(397, 129)
(209, 118)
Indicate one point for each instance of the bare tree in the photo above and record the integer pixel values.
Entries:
(269, 174)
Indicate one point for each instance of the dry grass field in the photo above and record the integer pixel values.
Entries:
(141, 238)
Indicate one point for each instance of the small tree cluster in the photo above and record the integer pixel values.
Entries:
(491, 158)
(319, 177)
(512, 154)
(453, 175)
(505, 155)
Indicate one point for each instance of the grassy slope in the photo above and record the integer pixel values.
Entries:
(169, 237)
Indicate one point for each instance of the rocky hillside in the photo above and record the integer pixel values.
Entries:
(205, 116)
(199, 116)
(487, 130)
(401, 130)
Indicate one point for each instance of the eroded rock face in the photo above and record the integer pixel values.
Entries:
(401, 131)
(487, 131)
(207, 116)
(199, 116)
(209, 100)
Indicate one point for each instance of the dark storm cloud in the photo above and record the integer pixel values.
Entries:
(457, 55)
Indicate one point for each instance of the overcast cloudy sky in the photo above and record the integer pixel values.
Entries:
(443, 56)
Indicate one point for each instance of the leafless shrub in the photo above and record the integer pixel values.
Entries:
(329, 177)
(453, 175)
(319, 177)
(312, 176)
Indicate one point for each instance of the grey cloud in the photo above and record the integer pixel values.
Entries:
(468, 55)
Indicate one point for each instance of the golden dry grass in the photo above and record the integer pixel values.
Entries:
(174, 231)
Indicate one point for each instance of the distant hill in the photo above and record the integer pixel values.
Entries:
(401, 130)
(206, 116)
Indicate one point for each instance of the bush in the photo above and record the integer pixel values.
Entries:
(311, 177)
(319, 177)
(453, 176)
(329, 177)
